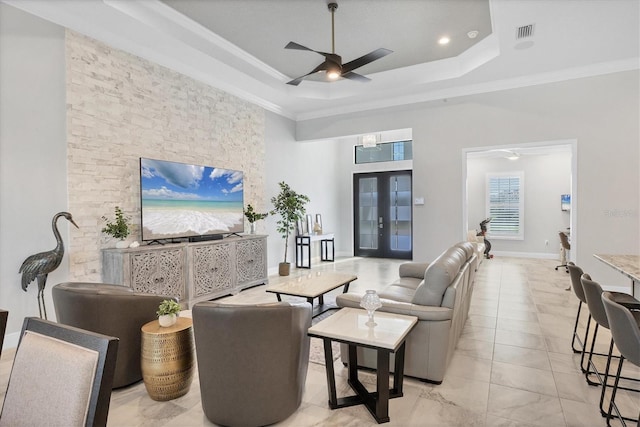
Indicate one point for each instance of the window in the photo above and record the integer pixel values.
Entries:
(505, 205)
(384, 152)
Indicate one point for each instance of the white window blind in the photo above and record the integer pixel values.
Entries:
(505, 202)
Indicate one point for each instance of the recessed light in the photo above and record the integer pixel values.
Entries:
(473, 34)
(444, 40)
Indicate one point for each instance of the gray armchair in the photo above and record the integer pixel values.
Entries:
(110, 310)
(252, 361)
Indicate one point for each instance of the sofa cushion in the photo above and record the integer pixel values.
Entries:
(438, 276)
(408, 282)
(413, 269)
(398, 293)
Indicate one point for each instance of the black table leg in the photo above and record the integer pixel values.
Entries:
(398, 372)
(331, 379)
(346, 287)
(377, 403)
(381, 410)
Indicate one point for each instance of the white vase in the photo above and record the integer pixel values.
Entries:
(121, 244)
(252, 227)
(167, 320)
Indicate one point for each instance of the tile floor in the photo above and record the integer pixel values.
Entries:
(512, 367)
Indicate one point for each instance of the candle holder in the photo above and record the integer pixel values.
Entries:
(371, 302)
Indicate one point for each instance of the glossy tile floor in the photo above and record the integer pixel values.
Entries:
(513, 365)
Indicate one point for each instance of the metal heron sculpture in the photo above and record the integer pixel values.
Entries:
(38, 266)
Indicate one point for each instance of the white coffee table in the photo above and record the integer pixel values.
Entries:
(314, 285)
(388, 336)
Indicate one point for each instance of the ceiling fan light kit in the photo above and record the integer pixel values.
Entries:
(332, 66)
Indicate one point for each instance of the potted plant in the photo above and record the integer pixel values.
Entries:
(118, 229)
(253, 216)
(168, 311)
(290, 206)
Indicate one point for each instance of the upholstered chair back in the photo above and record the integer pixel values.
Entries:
(111, 310)
(252, 361)
(61, 376)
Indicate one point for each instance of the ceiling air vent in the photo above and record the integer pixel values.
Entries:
(525, 31)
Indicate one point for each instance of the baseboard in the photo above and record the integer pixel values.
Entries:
(536, 255)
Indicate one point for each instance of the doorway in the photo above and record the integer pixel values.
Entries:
(383, 219)
(550, 171)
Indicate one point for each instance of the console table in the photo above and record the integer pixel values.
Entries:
(193, 272)
(303, 248)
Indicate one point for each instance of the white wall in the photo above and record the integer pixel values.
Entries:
(601, 113)
(310, 168)
(546, 177)
(33, 171)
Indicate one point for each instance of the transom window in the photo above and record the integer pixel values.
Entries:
(505, 205)
(384, 152)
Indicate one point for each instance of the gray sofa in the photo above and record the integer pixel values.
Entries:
(439, 294)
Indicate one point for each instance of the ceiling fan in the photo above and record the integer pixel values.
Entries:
(332, 64)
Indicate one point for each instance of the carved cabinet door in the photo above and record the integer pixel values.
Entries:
(252, 260)
(212, 269)
(159, 272)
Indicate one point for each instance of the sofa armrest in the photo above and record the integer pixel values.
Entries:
(422, 312)
(413, 269)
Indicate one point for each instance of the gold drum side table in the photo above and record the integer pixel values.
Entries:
(167, 359)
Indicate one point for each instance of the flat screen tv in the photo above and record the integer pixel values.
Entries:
(180, 200)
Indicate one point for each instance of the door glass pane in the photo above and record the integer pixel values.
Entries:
(400, 212)
(368, 213)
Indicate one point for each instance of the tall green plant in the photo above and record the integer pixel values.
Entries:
(290, 206)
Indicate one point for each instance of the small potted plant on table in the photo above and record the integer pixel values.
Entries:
(168, 311)
(290, 206)
(253, 216)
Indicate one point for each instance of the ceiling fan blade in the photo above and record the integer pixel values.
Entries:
(297, 46)
(365, 59)
(355, 76)
(294, 45)
(297, 80)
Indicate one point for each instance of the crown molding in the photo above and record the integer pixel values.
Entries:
(479, 88)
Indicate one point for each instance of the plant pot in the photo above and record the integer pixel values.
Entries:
(252, 227)
(167, 320)
(284, 268)
(122, 244)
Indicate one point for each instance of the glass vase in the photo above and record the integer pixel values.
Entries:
(371, 302)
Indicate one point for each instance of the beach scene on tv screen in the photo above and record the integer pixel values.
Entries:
(183, 200)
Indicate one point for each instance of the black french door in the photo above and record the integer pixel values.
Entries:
(383, 215)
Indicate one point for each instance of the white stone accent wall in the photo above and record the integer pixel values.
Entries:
(121, 107)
